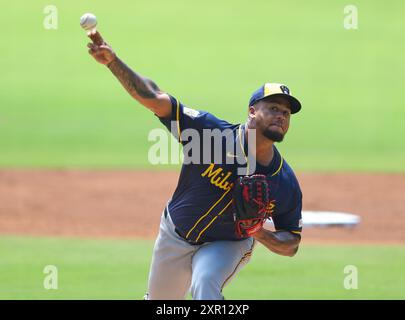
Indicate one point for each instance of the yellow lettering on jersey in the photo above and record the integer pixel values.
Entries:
(218, 177)
(210, 171)
(225, 184)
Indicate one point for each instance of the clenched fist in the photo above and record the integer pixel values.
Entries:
(100, 50)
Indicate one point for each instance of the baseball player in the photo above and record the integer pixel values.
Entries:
(206, 232)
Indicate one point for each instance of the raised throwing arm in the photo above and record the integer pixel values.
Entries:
(140, 88)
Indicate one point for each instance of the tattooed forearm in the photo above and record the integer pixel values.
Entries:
(136, 85)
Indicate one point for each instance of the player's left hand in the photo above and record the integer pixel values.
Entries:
(251, 196)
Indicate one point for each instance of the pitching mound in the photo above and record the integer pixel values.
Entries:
(128, 204)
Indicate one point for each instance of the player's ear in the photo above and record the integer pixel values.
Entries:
(252, 112)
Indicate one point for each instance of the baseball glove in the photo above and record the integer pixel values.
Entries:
(251, 198)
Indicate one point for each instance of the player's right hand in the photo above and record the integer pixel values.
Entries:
(100, 50)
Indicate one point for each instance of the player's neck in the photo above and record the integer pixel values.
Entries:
(264, 147)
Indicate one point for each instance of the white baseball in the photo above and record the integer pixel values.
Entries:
(88, 21)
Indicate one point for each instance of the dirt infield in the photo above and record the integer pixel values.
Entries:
(128, 204)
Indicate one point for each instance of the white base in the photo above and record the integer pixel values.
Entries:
(324, 219)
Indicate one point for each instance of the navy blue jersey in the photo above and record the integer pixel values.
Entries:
(201, 206)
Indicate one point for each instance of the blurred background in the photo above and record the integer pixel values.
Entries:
(60, 108)
(65, 119)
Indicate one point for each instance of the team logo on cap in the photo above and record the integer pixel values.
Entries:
(285, 89)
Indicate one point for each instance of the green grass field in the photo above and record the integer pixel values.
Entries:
(60, 108)
(117, 269)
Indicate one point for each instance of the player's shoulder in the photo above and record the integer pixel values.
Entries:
(211, 122)
(205, 119)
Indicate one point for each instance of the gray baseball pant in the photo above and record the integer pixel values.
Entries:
(204, 270)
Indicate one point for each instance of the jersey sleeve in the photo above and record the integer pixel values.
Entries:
(182, 118)
(291, 219)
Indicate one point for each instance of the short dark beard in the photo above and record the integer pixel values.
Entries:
(273, 135)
